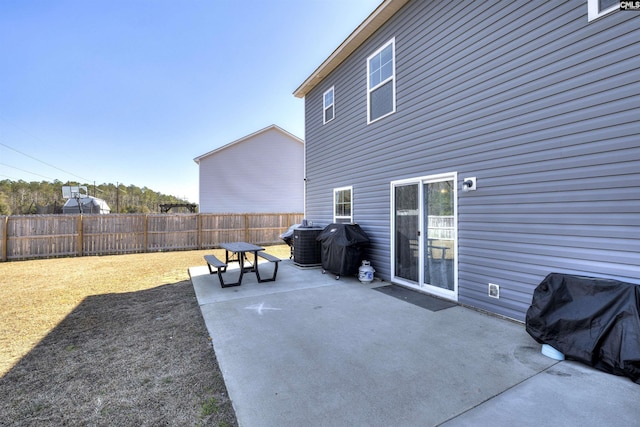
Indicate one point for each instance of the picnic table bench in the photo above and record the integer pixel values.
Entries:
(272, 259)
(221, 267)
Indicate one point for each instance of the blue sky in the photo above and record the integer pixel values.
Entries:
(131, 91)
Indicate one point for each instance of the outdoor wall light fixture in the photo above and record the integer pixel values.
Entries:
(469, 184)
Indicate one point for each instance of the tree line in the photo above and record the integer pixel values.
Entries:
(28, 198)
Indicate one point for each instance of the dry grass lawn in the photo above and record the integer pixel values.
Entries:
(113, 340)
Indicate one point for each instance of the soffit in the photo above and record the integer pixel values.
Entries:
(370, 25)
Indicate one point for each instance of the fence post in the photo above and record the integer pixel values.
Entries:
(80, 236)
(199, 225)
(145, 225)
(246, 228)
(5, 238)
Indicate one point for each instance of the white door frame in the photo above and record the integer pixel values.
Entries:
(420, 285)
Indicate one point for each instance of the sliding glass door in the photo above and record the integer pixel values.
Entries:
(424, 234)
(439, 234)
(407, 225)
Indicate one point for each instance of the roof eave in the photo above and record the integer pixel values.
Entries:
(244, 138)
(370, 25)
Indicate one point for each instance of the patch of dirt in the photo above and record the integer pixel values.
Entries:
(140, 358)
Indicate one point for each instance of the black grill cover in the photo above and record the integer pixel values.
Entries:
(287, 236)
(591, 320)
(342, 247)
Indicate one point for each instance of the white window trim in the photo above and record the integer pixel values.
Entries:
(335, 217)
(391, 42)
(325, 106)
(594, 11)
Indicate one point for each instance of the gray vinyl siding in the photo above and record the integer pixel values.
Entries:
(532, 99)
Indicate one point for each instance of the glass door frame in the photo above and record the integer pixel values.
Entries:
(421, 285)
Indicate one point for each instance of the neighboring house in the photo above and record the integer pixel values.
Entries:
(260, 173)
(85, 205)
(534, 105)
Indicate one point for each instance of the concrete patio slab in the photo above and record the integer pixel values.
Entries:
(314, 351)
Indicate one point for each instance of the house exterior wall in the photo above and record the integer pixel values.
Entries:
(262, 174)
(539, 104)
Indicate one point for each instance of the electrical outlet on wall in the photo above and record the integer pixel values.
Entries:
(494, 290)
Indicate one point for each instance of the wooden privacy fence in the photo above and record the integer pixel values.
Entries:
(49, 236)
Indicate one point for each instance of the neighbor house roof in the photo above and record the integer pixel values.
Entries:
(378, 17)
(86, 201)
(244, 138)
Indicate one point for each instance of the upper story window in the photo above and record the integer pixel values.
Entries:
(328, 105)
(598, 8)
(381, 84)
(342, 205)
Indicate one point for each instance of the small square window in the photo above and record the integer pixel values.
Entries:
(598, 8)
(328, 105)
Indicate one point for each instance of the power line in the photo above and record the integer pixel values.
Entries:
(32, 157)
(24, 170)
(43, 162)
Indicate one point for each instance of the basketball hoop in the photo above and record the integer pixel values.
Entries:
(74, 192)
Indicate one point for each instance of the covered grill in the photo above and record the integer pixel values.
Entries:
(287, 236)
(591, 320)
(342, 247)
